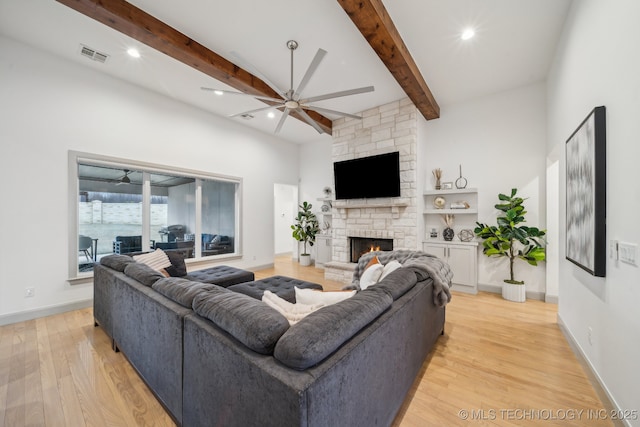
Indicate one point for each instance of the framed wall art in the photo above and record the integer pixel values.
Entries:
(586, 244)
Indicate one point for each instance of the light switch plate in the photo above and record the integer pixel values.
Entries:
(628, 252)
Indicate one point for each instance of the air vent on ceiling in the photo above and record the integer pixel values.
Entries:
(93, 54)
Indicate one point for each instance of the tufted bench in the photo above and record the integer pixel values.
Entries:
(280, 285)
(221, 275)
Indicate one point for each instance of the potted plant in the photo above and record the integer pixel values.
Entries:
(512, 240)
(305, 229)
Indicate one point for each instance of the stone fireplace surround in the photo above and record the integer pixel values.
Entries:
(387, 128)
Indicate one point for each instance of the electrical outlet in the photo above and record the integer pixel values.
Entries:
(590, 335)
(29, 292)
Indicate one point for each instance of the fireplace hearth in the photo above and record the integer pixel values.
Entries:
(362, 245)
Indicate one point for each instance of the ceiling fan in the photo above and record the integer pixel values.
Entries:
(292, 100)
(125, 179)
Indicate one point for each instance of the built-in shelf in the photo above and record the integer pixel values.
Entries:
(450, 211)
(450, 191)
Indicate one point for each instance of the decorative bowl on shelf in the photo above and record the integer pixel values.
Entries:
(439, 202)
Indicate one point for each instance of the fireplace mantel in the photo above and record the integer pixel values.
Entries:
(360, 205)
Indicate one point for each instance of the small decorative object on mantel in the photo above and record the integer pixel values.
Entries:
(447, 185)
(460, 205)
(437, 173)
(325, 208)
(466, 235)
(448, 232)
(439, 202)
(461, 182)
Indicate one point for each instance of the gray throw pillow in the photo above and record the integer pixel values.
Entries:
(178, 267)
(116, 261)
(142, 273)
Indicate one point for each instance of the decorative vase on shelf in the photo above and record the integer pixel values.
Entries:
(448, 234)
(437, 174)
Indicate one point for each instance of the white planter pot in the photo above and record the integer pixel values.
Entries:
(516, 293)
(305, 260)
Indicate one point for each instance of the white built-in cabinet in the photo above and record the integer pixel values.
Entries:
(461, 256)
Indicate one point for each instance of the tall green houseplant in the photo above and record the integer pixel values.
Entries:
(305, 229)
(510, 239)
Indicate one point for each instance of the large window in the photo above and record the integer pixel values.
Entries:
(127, 207)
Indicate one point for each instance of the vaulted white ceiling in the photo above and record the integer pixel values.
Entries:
(514, 45)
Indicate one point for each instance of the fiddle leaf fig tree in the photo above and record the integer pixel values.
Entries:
(306, 226)
(510, 239)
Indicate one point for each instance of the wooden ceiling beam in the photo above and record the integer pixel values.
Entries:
(375, 24)
(139, 25)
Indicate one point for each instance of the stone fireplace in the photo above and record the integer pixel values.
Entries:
(362, 245)
(388, 128)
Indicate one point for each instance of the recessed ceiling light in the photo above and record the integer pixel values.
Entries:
(467, 34)
(271, 114)
(133, 52)
(218, 92)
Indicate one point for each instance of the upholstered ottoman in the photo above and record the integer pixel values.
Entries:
(280, 285)
(221, 275)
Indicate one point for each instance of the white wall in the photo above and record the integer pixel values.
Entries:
(500, 142)
(49, 106)
(597, 64)
(316, 173)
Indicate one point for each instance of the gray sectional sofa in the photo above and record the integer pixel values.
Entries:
(217, 357)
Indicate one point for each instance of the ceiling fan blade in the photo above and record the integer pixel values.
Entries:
(257, 110)
(253, 70)
(327, 111)
(229, 92)
(312, 69)
(337, 94)
(309, 120)
(285, 113)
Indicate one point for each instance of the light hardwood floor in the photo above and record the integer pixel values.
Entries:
(498, 363)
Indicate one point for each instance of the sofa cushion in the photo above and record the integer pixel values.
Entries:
(250, 321)
(398, 282)
(322, 332)
(178, 268)
(116, 261)
(142, 273)
(181, 290)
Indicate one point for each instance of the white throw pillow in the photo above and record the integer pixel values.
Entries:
(157, 259)
(312, 296)
(389, 267)
(292, 312)
(370, 276)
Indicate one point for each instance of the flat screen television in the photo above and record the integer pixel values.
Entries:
(368, 177)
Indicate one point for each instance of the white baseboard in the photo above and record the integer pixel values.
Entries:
(596, 381)
(7, 319)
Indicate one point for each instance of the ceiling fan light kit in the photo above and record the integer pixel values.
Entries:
(292, 101)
